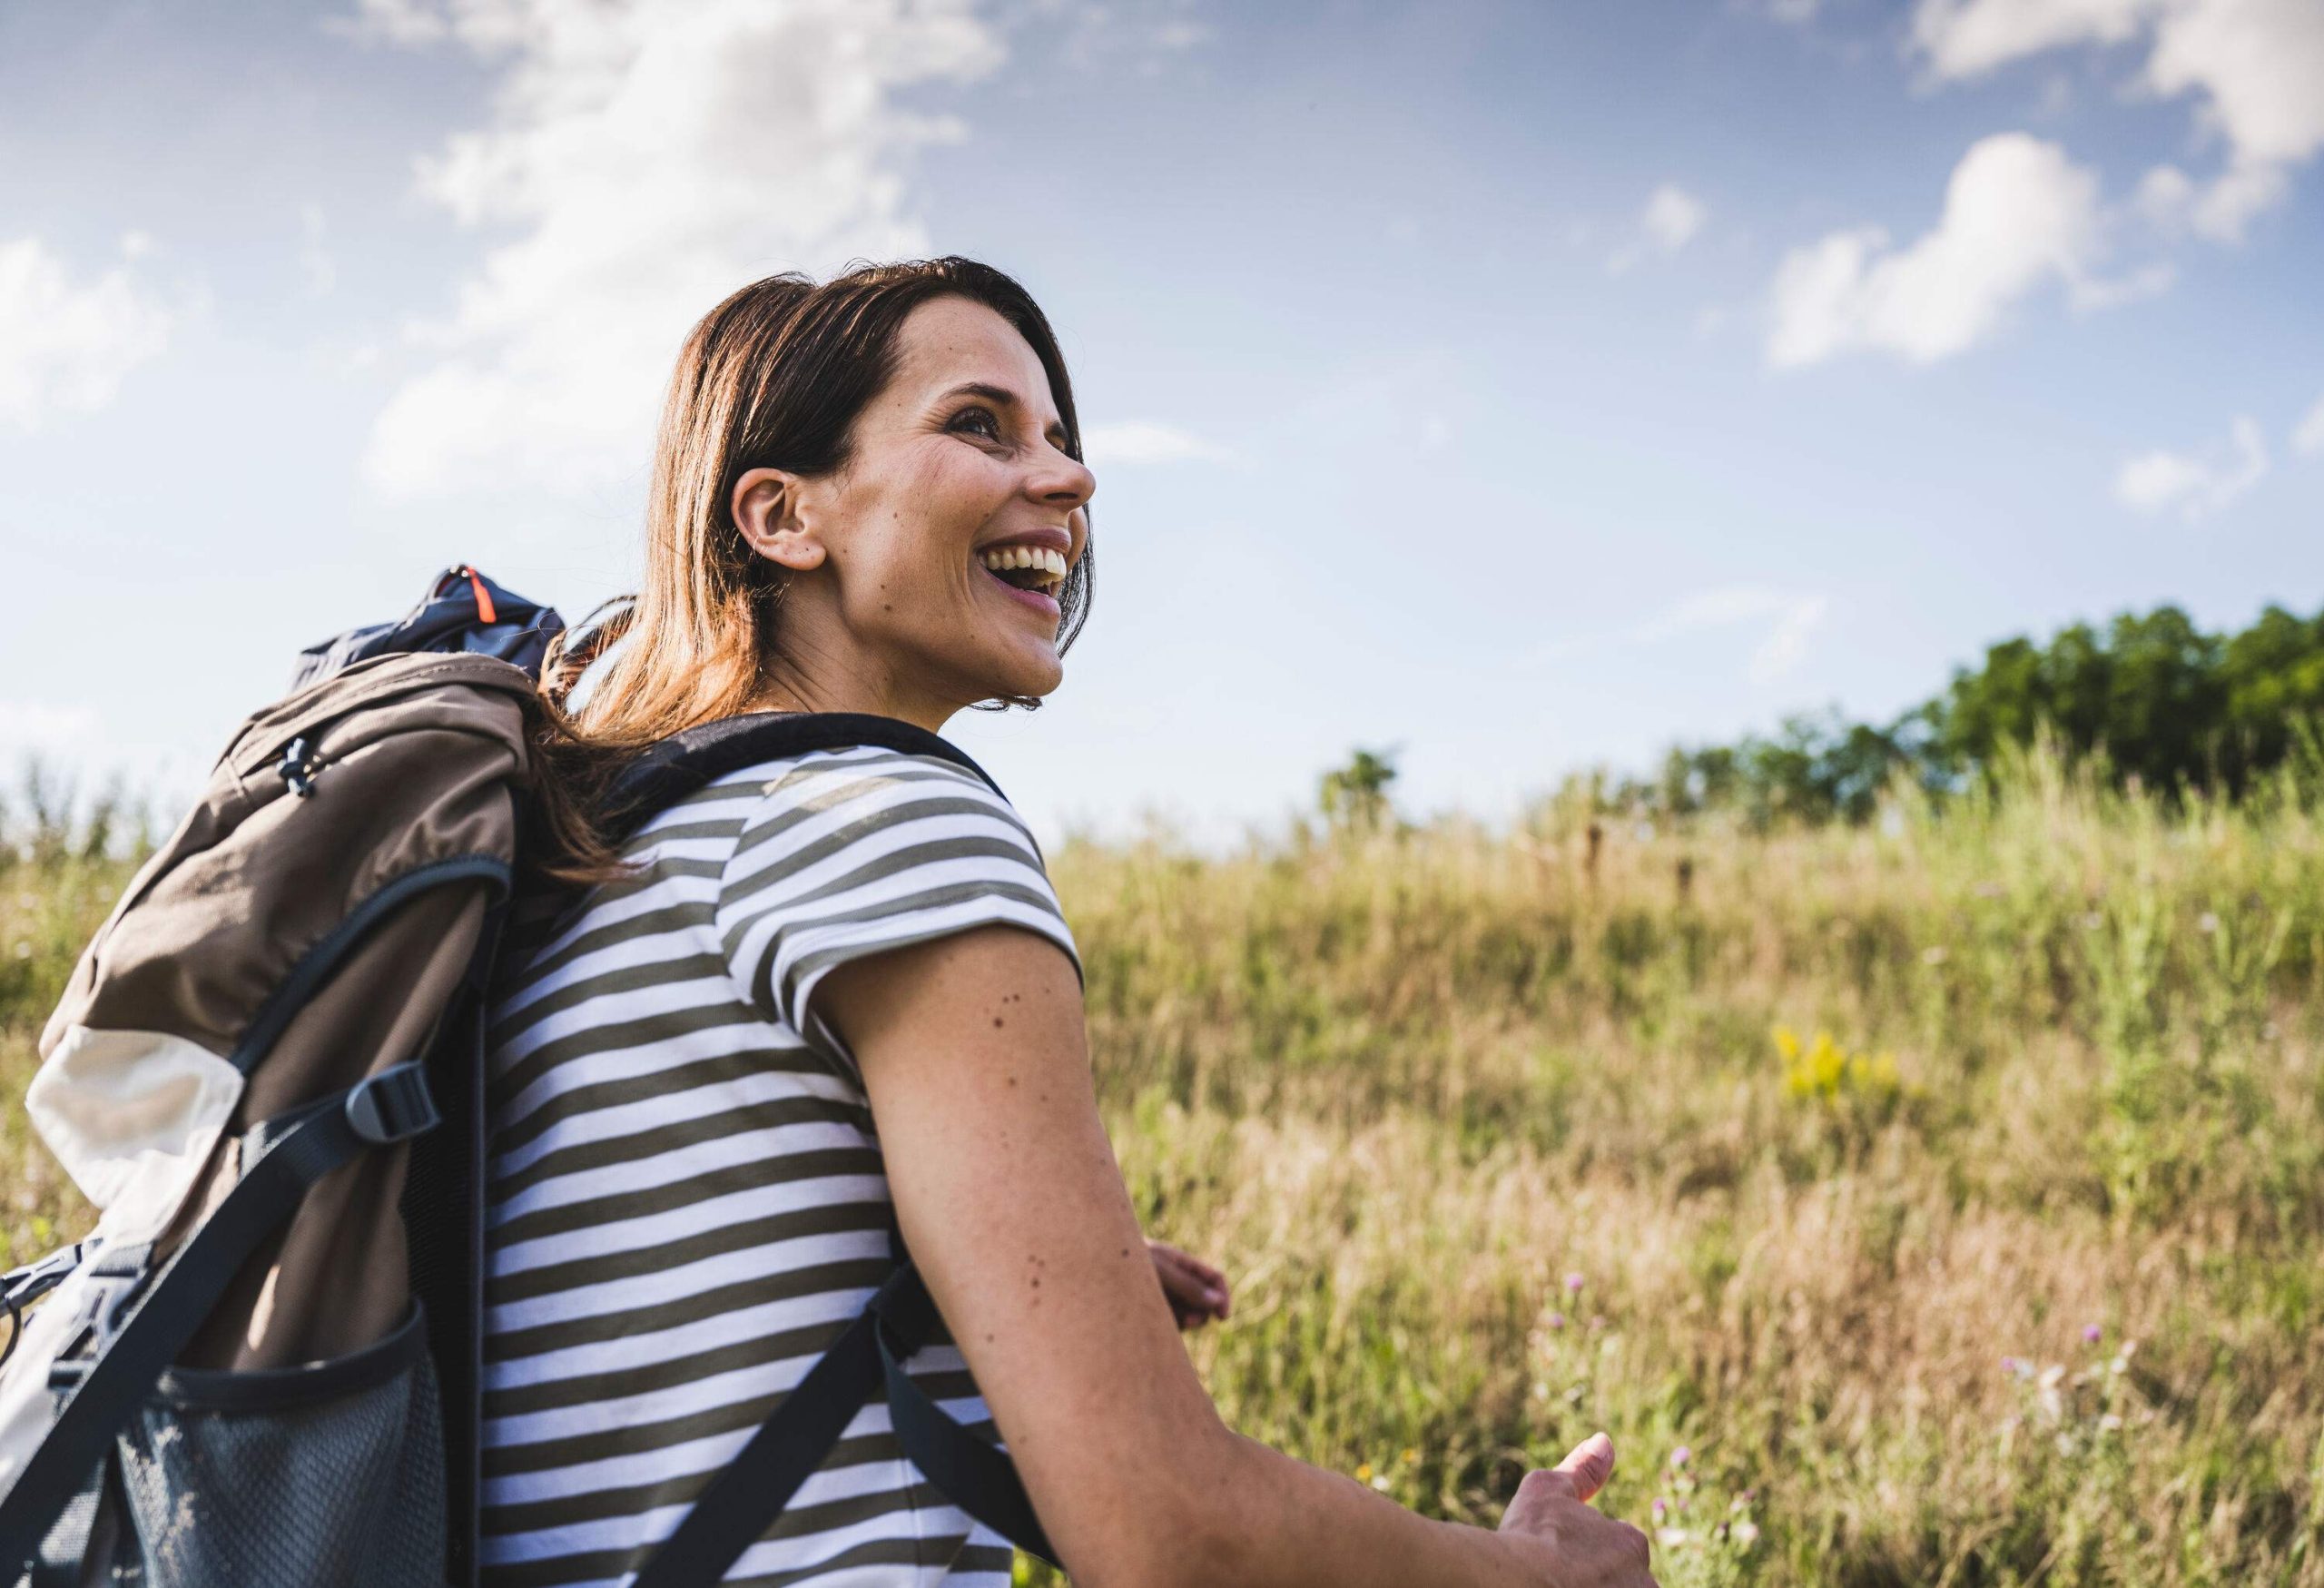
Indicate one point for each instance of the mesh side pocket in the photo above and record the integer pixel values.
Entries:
(330, 1473)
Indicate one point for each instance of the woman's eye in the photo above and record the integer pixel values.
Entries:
(979, 421)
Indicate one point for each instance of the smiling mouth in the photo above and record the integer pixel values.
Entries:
(1036, 568)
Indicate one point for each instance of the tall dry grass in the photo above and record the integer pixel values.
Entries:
(1500, 1147)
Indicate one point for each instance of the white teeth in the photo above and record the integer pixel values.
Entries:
(1048, 561)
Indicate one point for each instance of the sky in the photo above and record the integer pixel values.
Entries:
(1515, 387)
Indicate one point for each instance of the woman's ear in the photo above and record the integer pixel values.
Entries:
(765, 506)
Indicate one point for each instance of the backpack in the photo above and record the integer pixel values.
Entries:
(263, 1366)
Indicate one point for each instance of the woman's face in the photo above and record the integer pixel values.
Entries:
(893, 604)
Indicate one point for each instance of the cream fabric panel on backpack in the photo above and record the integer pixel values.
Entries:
(133, 1117)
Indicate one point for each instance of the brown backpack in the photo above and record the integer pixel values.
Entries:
(234, 1077)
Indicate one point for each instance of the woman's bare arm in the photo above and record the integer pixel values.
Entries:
(974, 1053)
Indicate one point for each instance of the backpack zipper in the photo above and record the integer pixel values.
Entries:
(299, 766)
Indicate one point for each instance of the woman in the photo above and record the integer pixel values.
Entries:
(839, 983)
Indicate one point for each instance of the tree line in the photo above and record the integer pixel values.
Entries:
(2155, 700)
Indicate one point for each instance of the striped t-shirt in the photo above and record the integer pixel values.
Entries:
(686, 1202)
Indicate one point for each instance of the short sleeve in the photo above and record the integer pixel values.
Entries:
(851, 852)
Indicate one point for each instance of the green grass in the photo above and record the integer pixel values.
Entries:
(1404, 1087)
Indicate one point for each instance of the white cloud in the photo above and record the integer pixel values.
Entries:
(1670, 220)
(649, 156)
(2152, 481)
(2308, 436)
(1790, 619)
(1137, 441)
(2260, 62)
(2255, 64)
(64, 344)
(1966, 38)
(2091, 294)
(2174, 203)
(1672, 217)
(2195, 484)
(2018, 215)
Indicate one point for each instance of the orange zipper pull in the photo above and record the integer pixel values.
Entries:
(483, 596)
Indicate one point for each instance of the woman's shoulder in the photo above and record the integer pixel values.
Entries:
(845, 853)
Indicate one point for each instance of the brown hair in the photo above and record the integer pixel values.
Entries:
(772, 378)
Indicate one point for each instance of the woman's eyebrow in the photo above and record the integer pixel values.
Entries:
(999, 397)
(991, 393)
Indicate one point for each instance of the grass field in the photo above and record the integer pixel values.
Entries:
(1935, 1202)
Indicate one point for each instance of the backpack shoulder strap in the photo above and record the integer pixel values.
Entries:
(689, 762)
(752, 1488)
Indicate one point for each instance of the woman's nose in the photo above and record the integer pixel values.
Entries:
(1063, 481)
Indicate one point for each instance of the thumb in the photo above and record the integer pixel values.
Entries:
(1589, 1464)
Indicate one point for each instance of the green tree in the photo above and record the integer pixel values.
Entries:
(2165, 703)
(1356, 796)
(2272, 675)
(2149, 691)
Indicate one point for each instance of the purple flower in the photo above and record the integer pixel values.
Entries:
(1557, 1320)
(1661, 1509)
(1679, 1456)
(1573, 1282)
(2092, 1334)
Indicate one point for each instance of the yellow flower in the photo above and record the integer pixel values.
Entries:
(1363, 1472)
(1825, 1069)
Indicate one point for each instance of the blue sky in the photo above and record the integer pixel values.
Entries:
(1521, 386)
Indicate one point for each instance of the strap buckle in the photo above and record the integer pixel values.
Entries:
(29, 1284)
(392, 1106)
(117, 1275)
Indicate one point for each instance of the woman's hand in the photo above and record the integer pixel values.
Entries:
(1196, 1291)
(1552, 1523)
